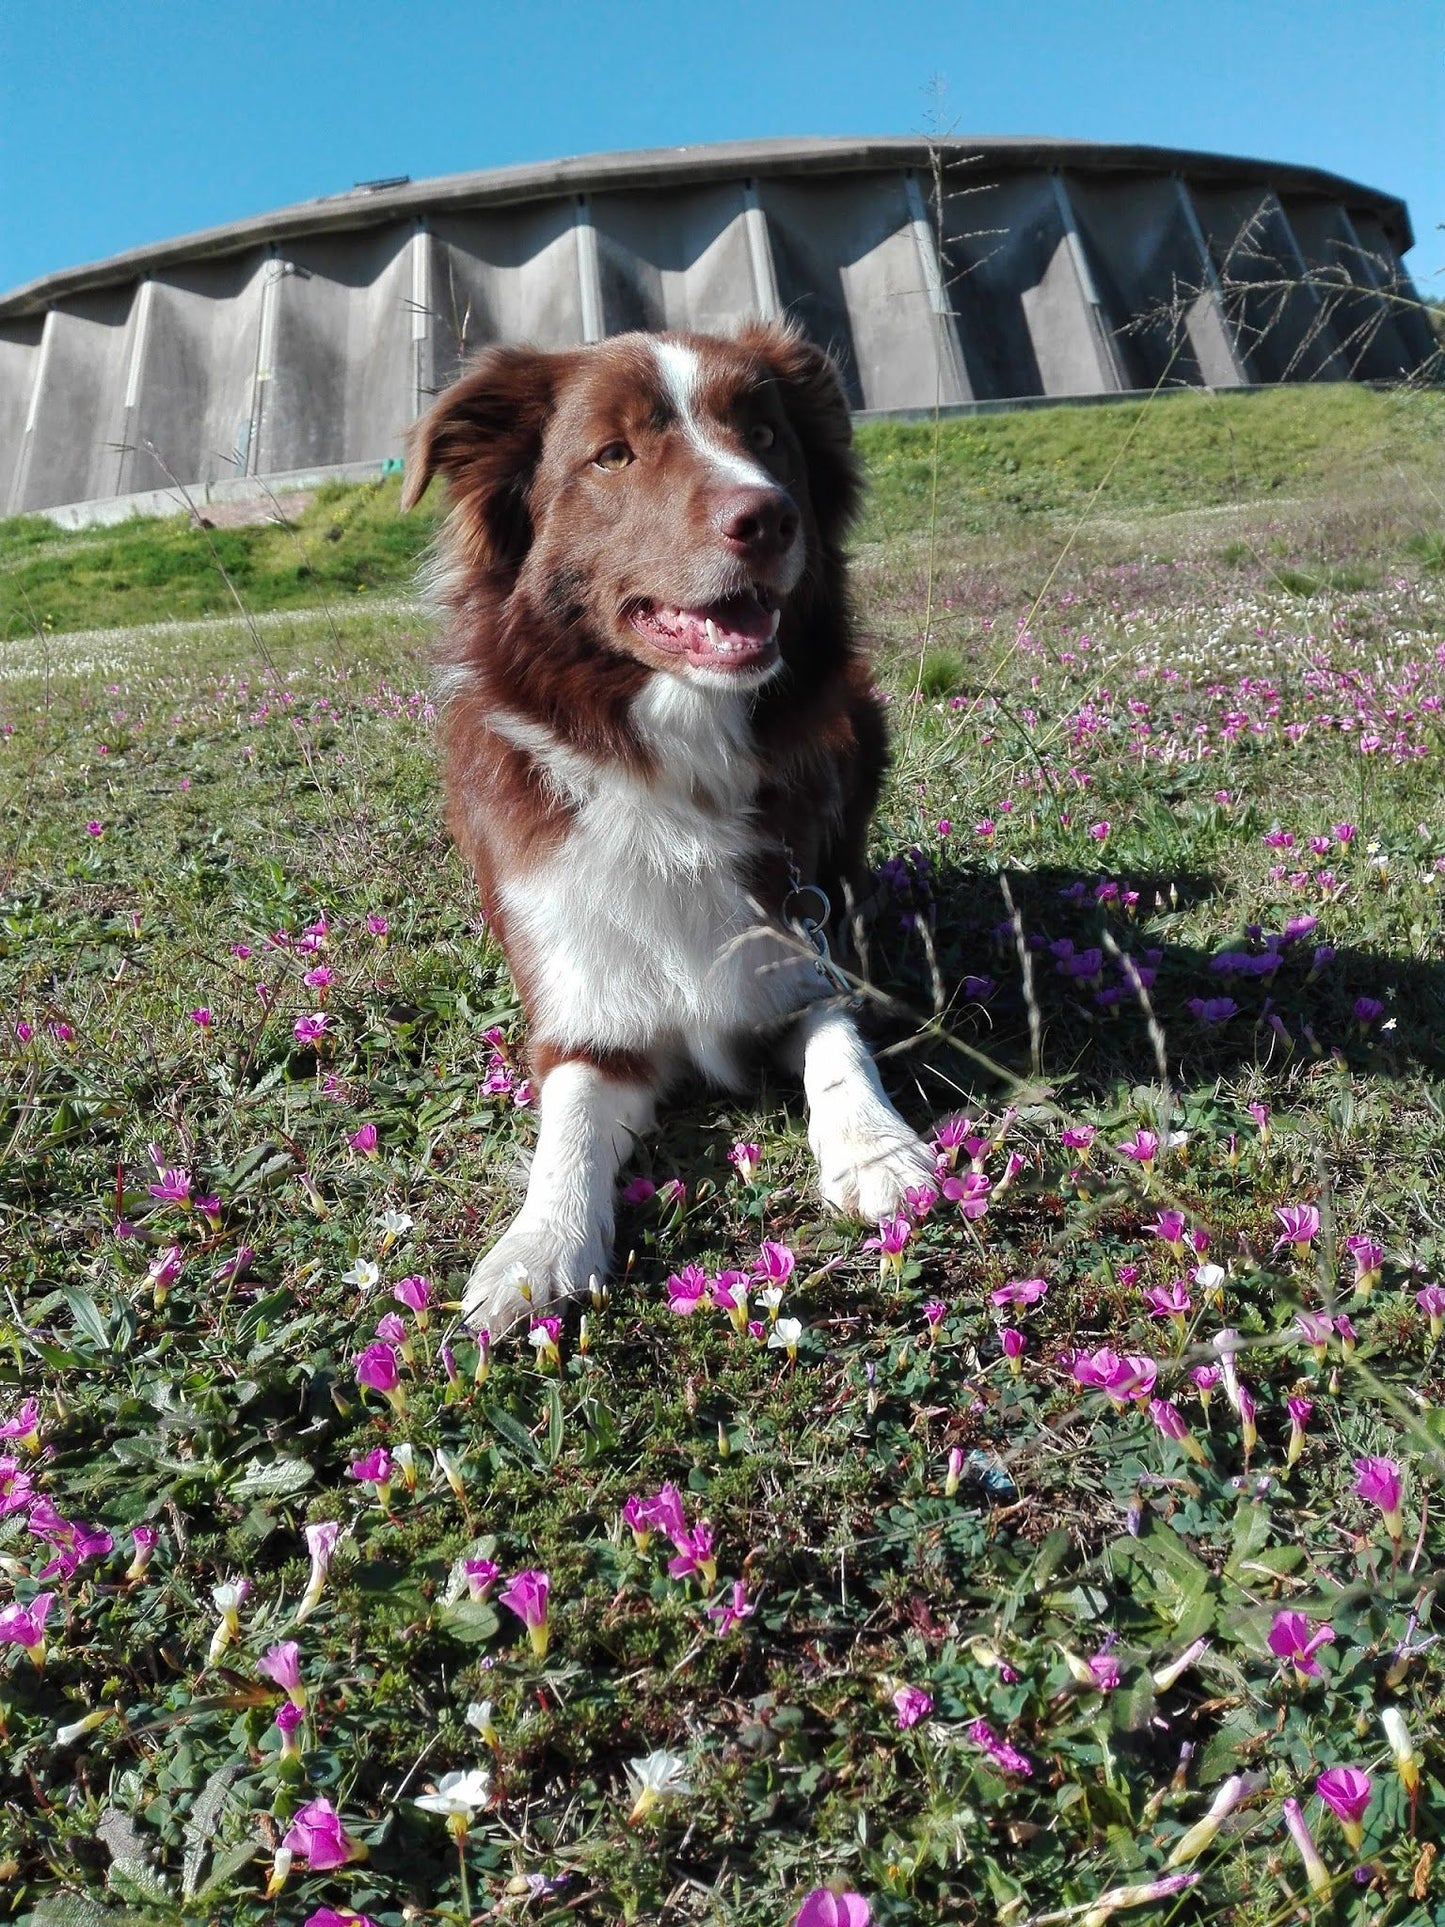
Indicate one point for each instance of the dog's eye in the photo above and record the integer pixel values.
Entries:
(616, 455)
(761, 435)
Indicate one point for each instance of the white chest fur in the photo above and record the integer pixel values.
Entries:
(639, 929)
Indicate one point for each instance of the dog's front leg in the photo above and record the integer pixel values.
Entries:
(868, 1158)
(589, 1120)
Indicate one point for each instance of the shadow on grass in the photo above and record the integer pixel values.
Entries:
(1112, 994)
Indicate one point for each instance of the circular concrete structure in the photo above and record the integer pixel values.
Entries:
(957, 273)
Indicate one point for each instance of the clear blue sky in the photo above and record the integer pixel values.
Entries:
(126, 121)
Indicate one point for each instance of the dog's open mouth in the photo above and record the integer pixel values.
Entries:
(740, 632)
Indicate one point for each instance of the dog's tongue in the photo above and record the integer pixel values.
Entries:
(734, 632)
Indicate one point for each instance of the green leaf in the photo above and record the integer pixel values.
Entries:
(515, 1433)
(552, 1447)
(205, 1817)
(278, 1479)
(470, 1620)
(87, 1316)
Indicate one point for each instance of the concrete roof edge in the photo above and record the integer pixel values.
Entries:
(674, 166)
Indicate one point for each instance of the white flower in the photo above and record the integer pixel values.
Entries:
(1402, 1748)
(479, 1717)
(1167, 1675)
(459, 1795)
(660, 1776)
(68, 1735)
(1209, 1277)
(364, 1274)
(770, 1297)
(394, 1225)
(785, 1335)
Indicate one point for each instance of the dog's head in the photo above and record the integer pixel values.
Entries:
(677, 496)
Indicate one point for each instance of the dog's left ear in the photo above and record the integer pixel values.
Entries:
(812, 393)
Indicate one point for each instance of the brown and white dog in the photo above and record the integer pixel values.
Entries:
(656, 720)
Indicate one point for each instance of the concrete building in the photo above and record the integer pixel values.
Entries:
(964, 273)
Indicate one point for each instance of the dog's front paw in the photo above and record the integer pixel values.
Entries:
(866, 1166)
(529, 1270)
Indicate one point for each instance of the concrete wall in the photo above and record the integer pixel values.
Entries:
(966, 275)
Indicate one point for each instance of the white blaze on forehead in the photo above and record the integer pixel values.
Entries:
(681, 372)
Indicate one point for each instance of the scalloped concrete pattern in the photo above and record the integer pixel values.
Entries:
(301, 343)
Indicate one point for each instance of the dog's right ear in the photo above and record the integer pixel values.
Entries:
(484, 434)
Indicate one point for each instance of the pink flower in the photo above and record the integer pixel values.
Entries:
(1019, 1292)
(1431, 1301)
(1369, 1257)
(308, 1030)
(376, 1469)
(970, 1192)
(686, 1290)
(731, 1613)
(1169, 1420)
(1105, 1669)
(25, 1425)
(920, 1200)
(173, 1183)
(664, 1511)
(481, 1576)
(824, 1908)
(1078, 1137)
(745, 1159)
(1005, 1757)
(1169, 1227)
(25, 1625)
(328, 1916)
(893, 1235)
(378, 926)
(318, 978)
(1381, 1483)
(1169, 1301)
(1129, 1377)
(1290, 1638)
(391, 1329)
(364, 1140)
(695, 1555)
(415, 1293)
(317, 1837)
(1301, 1223)
(951, 1134)
(1014, 1346)
(1142, 1148)
(201, 1017)
(1346, 1791)
(934, 1313)
(376, 1369)
(638, 1191)
(730, 1294)
(775, 1263)
(282, 1664)
(912, 1704)
(525, 1594)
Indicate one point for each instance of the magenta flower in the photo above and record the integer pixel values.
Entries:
(319, 978)
(1078, 1137)
(745, 1159)
(665, 1511)
(732, 1612)
(1004, 1756)
(1369, 1257)
(1142, 1148)
(920, 1200)
(1299, 1416)
(970, 1193)
(1346, 1791)
(415, 1293)
(1380, 1482)
(391, 1329)
(1169, 1227)
(1019, 1292)
(25, 1426)
(526, 1595)
(25, 1626)
(317, 1837)
(912, 1704)
(1300, 1227)
(824, 1908)
(1014, 1346)
(328, 1916)
(1316, 1871)
(951, 1134)
(364, 1140)
(934, 1313)
(309, 1030)
(774, 1263)
(638, 1190)
(1169, 1420)
(1431, 1301)
(377, 1469)
(201, 1017)
(1105, 1670)
(730, 1294)
(1122, 1379)
(1291, 1638)
(282, 1664)
(172, 1185)
(695, 1555)
(145, 1540)
(376, 1369)
(1169, 1301)
(321, 1538)
(893, 1235)
(686, 1290)
(481, 1576)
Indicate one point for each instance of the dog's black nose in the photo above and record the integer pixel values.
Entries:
(757, 522)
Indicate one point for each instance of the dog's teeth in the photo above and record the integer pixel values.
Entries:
(773, 625)
(711, 632)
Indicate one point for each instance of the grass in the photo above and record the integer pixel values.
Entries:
(996, 472)
(1129, 733)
